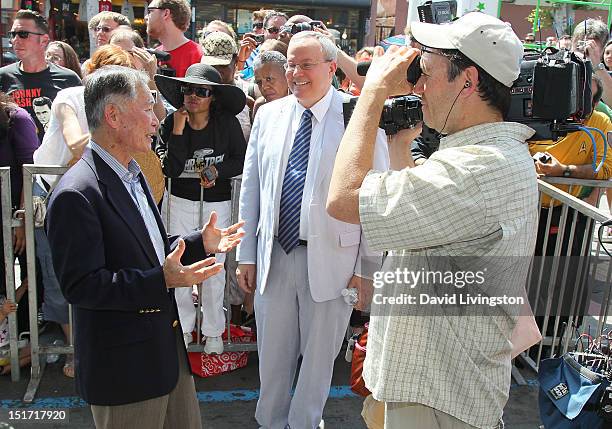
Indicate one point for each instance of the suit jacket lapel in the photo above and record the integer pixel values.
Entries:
(119, 198)
(331, 134)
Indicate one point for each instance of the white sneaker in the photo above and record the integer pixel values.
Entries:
(188, 338)
(213, 346)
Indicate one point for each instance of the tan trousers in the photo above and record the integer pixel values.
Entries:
(406, 415)
(177, 409)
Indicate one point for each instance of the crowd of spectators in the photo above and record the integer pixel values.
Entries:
(208, 95)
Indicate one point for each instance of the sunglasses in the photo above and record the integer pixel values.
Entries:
(273, 30)
(258, 25)
(103, 29)
(199, 92)
(23, 34)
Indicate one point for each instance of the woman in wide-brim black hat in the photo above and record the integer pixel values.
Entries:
(229, 97)
(203, 136)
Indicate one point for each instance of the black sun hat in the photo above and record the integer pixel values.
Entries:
(231, 98)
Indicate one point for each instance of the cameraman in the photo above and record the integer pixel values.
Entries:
(477, 195)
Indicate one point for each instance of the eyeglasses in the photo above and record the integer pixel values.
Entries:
(198, 91)
(304, 66)
(22, 34)
(149, 9)
(258, 25)
(455, 57)
(154, 95)
(103, 28)
(273, 30)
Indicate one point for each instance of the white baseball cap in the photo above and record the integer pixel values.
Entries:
(482, 38)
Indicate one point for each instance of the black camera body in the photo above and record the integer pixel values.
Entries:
(159, 55)
(552, 94)
(398, 113)
(437, 12)
(301, 26)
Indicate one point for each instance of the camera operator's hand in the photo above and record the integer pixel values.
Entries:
(593, 52)
(247, 46)
(389, 69)
(400, 145)
(324, 31)
(406, 136)
(148, 62)
(551, 168)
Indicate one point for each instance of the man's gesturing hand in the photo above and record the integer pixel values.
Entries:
(246, 274)
(389, 70)
(221, 240)
(178, 275)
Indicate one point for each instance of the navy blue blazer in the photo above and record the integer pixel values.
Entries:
(125, 320)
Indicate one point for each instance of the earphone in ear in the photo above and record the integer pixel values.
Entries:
(467, 84)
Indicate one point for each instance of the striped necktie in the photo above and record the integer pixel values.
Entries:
(293, 186)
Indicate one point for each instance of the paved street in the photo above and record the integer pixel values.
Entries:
(228, 401)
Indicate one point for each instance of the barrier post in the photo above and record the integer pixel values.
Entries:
(9, 266)
(38, 352)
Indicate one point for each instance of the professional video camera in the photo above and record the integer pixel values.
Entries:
(437, 12)
(552, 94)
(300, 26)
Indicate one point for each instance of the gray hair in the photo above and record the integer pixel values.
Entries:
(269, 57)
(273, 14)
(330, 51)
(110, 84)
(591, 29)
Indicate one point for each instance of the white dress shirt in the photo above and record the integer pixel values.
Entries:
(319, 110)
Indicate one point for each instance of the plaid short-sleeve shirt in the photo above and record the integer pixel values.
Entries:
(476, 197)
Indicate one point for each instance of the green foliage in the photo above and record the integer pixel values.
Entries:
(546, 18)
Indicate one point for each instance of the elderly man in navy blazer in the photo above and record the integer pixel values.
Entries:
(115, 266)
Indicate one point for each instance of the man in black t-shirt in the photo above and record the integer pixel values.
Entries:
(32, 77)
(33, 84)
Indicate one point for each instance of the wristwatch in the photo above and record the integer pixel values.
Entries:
(600, 66)
(567, 172)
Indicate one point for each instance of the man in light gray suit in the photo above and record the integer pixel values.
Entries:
(297, 256)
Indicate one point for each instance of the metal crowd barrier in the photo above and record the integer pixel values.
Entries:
(593, 265)
(9, 266)
(38, 351)
(228, 345)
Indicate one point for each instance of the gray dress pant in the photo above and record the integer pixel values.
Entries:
(290, 324)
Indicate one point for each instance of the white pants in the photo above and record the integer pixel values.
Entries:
(184, 219)
(290, 324)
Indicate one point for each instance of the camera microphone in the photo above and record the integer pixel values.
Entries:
(412, 76)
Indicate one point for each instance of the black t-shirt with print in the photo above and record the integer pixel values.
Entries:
(36, 91)
(220, 144)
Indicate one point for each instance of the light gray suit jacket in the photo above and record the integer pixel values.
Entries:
(336, 250)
